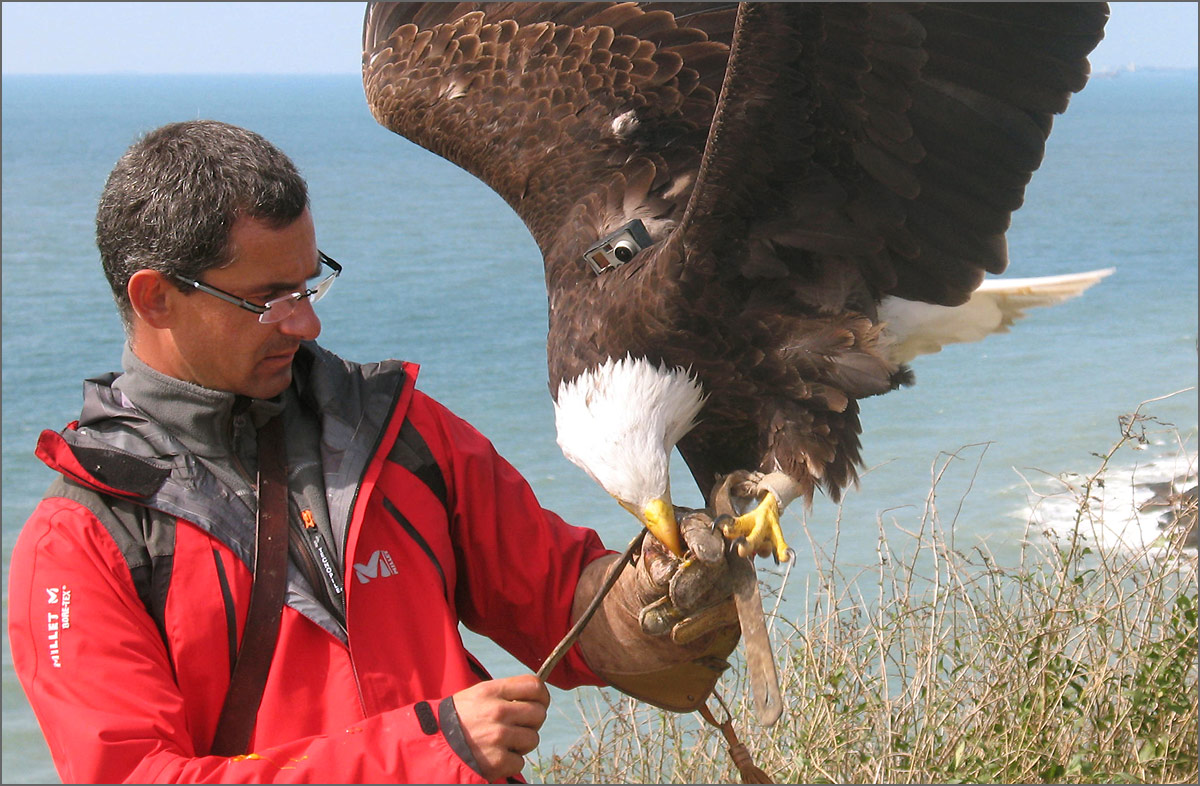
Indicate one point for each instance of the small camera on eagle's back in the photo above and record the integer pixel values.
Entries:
(618, 248)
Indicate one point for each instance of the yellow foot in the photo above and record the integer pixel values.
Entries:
(760, 527)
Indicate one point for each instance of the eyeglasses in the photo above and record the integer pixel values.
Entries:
(280, 308)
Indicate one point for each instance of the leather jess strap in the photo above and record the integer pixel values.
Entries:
(261, 631)
(750, 772)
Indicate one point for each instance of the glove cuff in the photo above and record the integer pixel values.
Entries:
(683, 687)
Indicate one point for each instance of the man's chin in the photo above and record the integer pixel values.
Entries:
(275, 390)
(269, 386)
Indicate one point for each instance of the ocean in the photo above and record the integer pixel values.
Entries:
(438, 270)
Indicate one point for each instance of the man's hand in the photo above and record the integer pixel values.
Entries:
(685, 598)
(500, 719)
(664, 631)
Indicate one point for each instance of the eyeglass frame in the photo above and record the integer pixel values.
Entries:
(320, 290)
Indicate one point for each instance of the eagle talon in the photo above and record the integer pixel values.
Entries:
(722, 523)
(760, 529)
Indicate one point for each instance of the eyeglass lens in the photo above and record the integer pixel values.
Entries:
(281, 308)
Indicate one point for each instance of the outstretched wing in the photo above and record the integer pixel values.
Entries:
(889, 140)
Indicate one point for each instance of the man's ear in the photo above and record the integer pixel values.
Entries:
(152, 297)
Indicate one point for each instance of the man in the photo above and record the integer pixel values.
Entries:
(132, 582)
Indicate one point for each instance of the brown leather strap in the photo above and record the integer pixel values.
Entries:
(740, 754)
(261, 630)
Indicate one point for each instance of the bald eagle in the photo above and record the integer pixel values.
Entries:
(752, 215)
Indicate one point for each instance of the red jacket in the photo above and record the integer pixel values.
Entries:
(117, 704)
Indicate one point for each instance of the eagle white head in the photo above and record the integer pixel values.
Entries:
(619, 422)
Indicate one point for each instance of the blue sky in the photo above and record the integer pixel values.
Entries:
(71, 38)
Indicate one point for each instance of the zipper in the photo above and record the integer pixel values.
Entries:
(318, 544)
(412, 532)
(315, 563)
(371, 455)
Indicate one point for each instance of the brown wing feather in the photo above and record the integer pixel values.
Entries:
(553, 105)
(898, 138)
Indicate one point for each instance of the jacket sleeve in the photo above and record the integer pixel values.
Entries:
(97, 674)
(518, 563)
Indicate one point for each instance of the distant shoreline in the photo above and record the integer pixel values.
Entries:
(1108, 72)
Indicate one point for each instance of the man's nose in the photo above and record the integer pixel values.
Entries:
(303, 322)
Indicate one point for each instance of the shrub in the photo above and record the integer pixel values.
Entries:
(1079, 664)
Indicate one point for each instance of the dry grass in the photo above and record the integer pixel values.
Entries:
(1077, 665)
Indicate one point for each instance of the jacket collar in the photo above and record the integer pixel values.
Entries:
(199, 418)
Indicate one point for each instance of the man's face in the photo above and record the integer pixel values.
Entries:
(224, 347)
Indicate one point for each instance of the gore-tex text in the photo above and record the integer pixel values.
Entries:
(58, 619)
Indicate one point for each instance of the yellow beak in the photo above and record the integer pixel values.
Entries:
(659, 517)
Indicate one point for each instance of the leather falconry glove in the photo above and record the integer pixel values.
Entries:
(663, 633)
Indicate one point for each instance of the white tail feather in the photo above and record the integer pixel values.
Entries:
(913, 328)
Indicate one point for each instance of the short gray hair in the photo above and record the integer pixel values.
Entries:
(172, 199)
